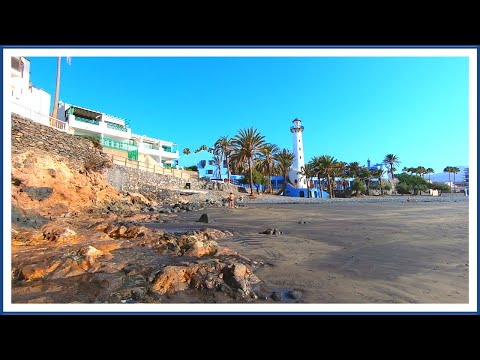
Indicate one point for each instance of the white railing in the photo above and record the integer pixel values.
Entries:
(39, 118)
(157, 142)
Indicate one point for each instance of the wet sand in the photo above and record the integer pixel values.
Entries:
(352, 253)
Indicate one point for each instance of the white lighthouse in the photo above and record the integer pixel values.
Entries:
(299, 161)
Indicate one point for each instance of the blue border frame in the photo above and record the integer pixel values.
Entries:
(231, 47)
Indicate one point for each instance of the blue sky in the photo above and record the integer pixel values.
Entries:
(352, 108)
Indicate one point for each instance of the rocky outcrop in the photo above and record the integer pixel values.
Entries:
(228, 276)
(140, 263)
(70, 264)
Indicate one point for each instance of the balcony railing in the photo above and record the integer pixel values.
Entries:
(116, 127)
(115, 144)
(150, 146)
(88, 121)
(39, 118)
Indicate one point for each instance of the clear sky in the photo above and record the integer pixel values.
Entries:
(352, 108)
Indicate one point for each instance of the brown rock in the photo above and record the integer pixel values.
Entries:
(90, 251)
(240, 270)
(111, 230)
(225, 251)
(122, 230)
(172, 279)
(36, 271)
(201, 248)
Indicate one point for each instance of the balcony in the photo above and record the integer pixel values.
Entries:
(81, 123)
(150, 146)
(99, 127)
(88, 121)
(157, 151)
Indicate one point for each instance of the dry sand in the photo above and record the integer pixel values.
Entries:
(352, 252)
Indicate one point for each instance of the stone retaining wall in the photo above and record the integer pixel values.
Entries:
(29, 135)
(141, 181)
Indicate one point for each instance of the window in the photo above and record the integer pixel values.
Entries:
(210, 162)
(298, 140)
(210, 172)
(300, 157)
(300, 149)
(16, 64)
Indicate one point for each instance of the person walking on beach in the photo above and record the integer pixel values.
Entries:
(231, 197)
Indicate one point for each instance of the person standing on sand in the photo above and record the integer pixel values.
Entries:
(231, 197)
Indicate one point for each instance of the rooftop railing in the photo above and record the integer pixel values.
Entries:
(116, 127)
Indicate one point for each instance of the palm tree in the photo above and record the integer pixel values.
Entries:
(454, 170)
(224, 145)
(353, 169)
(186, 151)
(203, 147)
(429, 171)
(449, 170)
(319, 170)
(337, 171)
(217, 161)
(378, 173)
(366, 175)
(284, 159)
(247, 144)
(267, 153)
(391, 160)
(308, 171)
(420, 170)
(57, 89)
(328, 163)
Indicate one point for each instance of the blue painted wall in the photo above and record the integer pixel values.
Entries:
(314, 193)
(204, 161)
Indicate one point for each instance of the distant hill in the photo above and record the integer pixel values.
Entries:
(443, 177)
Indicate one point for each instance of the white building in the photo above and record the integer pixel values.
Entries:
(26, 100)
(299, 160)
(114, 133)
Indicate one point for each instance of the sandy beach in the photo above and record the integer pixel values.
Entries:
(351, 252)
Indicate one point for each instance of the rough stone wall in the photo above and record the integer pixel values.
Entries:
(141, 181)
(29, 135)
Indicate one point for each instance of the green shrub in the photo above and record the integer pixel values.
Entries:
(411, 183)
(404, 188)
(439, 186)
(358, 186)
(95, 140)
(97, 163)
